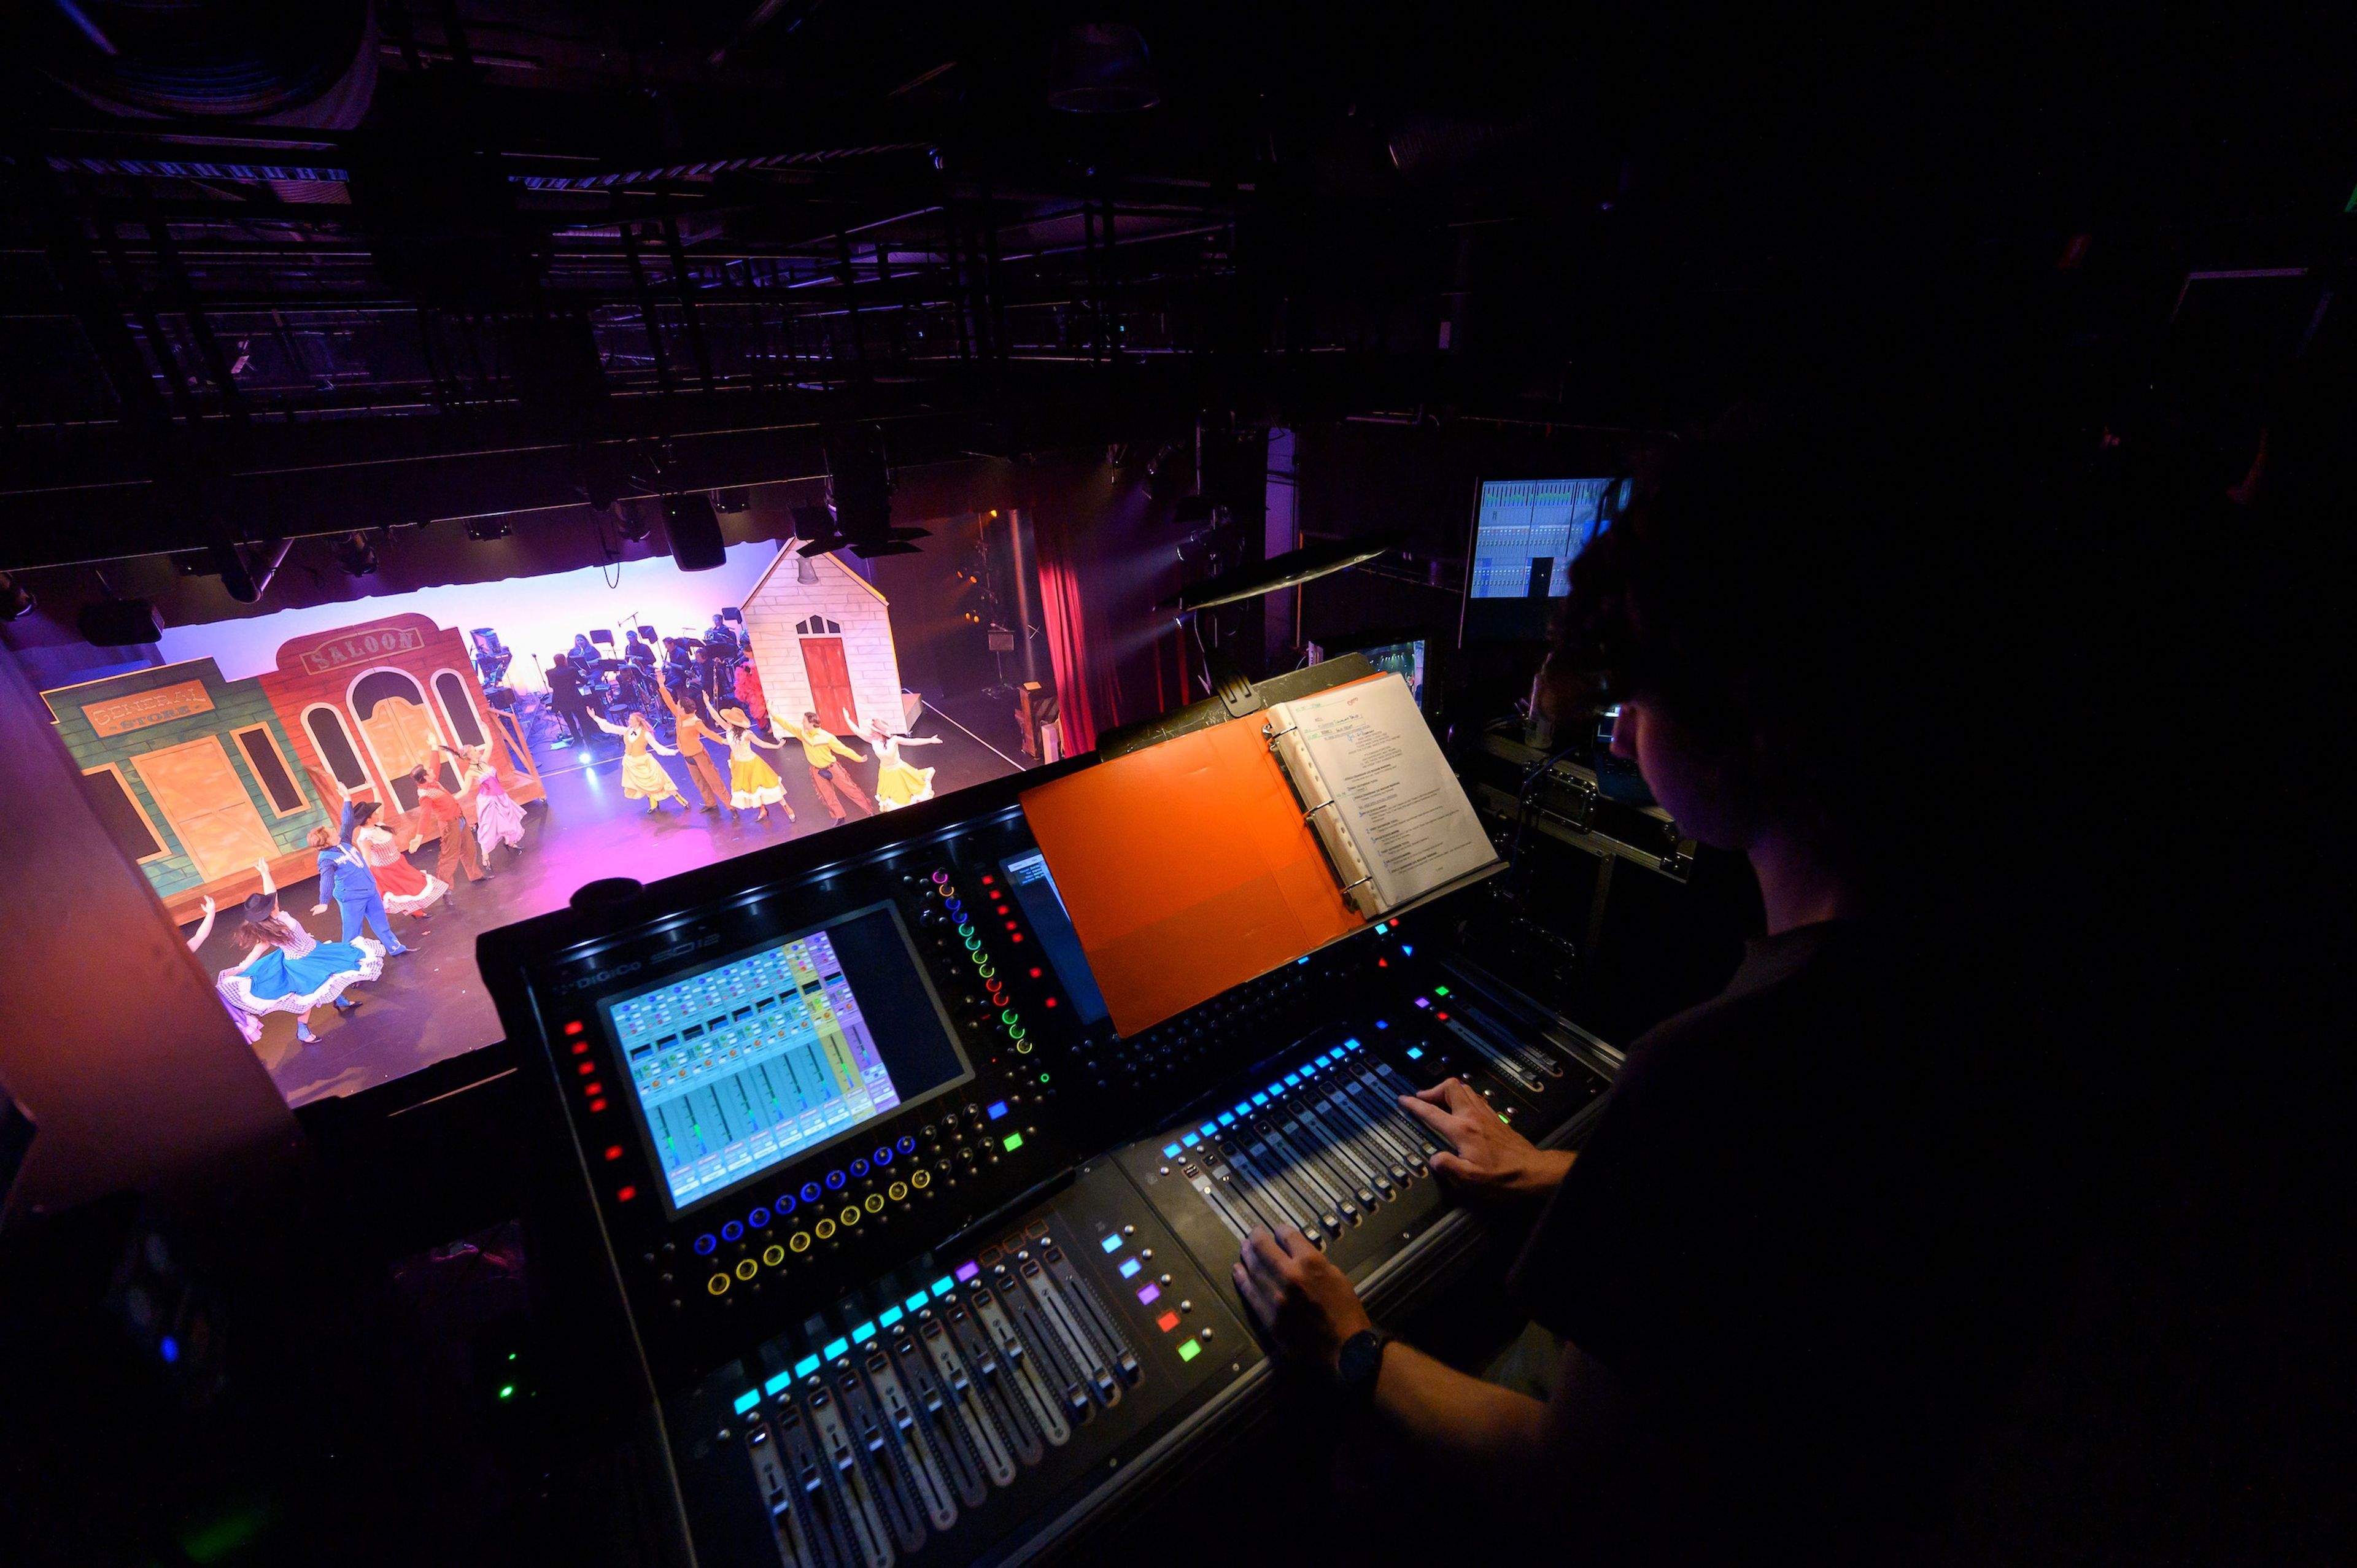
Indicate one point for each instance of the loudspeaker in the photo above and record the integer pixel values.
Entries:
(694, 529)
(119, 623)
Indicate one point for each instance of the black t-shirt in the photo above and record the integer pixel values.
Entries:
(1811, 1233)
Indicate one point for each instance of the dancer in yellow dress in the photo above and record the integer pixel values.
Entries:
(896, 783)
(752, 783)
(644, 778)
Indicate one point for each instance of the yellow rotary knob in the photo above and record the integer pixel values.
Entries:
(746, 1268)
(875, 1203)
(851, 1214)
(773, 1255)
(899, 1191)
(921, 1181)
(717, 1285)
(801, 1241)
(825, 1228)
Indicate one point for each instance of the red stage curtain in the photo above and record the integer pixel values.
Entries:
(1068, 648)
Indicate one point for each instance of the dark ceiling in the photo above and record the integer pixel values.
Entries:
(285, 267)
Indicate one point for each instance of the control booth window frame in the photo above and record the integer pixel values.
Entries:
(287, 765)
(164, 850)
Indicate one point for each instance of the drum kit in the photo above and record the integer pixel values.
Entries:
(624, 684)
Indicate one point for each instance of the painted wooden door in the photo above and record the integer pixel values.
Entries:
(830, 684)
(400, 731)
(200, 793)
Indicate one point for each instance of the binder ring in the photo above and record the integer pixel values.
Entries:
(1277, 734)
(1316, 808)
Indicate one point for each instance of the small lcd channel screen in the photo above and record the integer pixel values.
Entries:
(781, 1051)
(1526, 533)
(1035, 889)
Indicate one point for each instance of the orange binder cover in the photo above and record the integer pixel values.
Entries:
(1186, 868)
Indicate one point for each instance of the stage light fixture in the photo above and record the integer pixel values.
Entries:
(694, 529)
(488, 528)
(17, 601)
(119, 623)
(356, 555)
(630, 519)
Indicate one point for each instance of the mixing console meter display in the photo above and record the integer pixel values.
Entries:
(926, 1262)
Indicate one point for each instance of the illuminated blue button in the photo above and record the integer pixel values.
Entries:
(835, 1181)
(747, 1400)
(998, 1109)
(1209, 1129)
(834, 1347)
(758, 1219)
(859, 1167)
(1416, 1053)
(1192, 1139)
(732, 1230)
(1380, 1023)
(1260, 1100)
(1129, 1267)
(907, 1144)
(863, 1334)
(810, 1192)
(1227, 1119)
(883, 1156)
(705, 1243)
(1111, 1244)
(1244, 1107)
(1273, 1088)
(944, 1285)
(806, 1366)
(1406, 952)
(1169, 1151)
(1300, 961)
(888, 1317)
(1351, 1044)
(785, 1204)
(916, 1303)
(778, 1383)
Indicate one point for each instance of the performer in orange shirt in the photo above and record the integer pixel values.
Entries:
(449, 819)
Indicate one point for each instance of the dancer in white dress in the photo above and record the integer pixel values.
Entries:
(498, 819)
(896, 783)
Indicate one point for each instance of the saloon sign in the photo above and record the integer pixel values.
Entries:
(354, 646)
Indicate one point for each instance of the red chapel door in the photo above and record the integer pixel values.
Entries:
(830, 684)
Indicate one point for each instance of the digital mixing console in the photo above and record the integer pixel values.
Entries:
(924, 1261)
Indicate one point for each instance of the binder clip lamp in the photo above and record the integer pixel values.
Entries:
(1232, 695)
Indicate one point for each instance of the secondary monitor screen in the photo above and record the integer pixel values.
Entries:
(1035, 889)
(782, 1051)
(1526, 533)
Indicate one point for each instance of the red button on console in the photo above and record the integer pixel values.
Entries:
(1167, 1322)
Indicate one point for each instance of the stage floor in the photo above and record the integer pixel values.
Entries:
(431, 1005)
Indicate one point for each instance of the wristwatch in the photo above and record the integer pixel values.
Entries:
(1359, 1363)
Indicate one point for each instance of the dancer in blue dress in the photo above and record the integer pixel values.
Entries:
(286, 970)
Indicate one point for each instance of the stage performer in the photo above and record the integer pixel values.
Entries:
(751, 697)
(896, 783)
(693, 734)
(751, 782)
(498, 819)
(406, 889)
(565, 696)
(450, 823)
(820, 749)
(287, 970)
(644, 778)
(344, 878)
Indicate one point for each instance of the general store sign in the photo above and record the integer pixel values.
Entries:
(154, 706)
(354, 646)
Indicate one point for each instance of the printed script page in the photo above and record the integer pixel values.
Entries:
(1397, 794)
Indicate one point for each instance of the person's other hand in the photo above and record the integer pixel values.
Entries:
(1304, 1303)
(318, 908)
(208, 905)
(1491, 1160)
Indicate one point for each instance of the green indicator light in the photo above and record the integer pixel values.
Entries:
(1014, 1031)
(512, 1355)
(987, 972)
(1014, 1142)
(1043, 1078)
(1188, 1350)
(1440, 991)
(1007, 1015)
(506, 1390)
